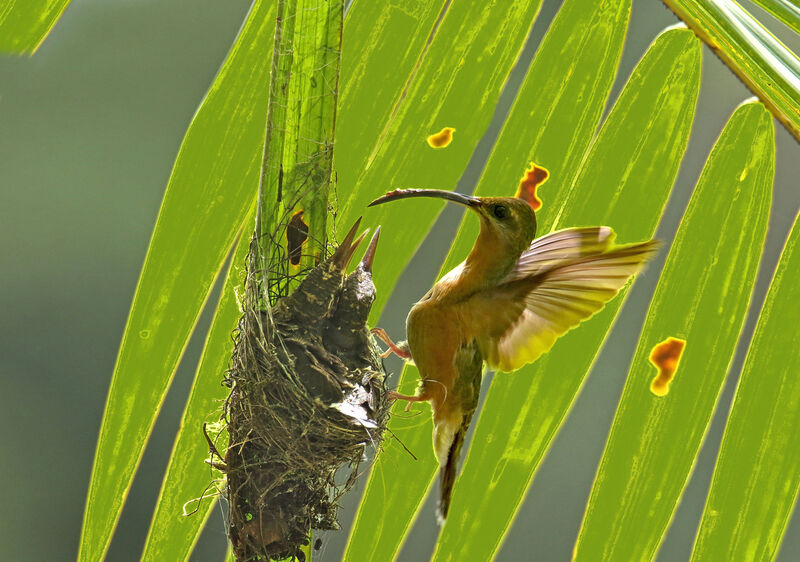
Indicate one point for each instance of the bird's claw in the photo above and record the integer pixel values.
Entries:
(392, 395)
(401, 349)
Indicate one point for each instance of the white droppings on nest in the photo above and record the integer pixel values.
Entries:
(365, 288)
(357, 412)
(353, 406)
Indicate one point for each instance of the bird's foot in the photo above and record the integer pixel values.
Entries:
(392, 395)
(400, 349)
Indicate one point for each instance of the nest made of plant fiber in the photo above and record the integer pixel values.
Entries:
(307, 397)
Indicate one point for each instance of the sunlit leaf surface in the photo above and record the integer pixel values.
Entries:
(757, 57)
(172, 536)
(298, 151)
(546, 118)
(456, 82)
(618, 186)
(212, 184)
(757, 477)
(651, 448)
(24, 24)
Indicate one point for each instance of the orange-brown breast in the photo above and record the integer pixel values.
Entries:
(435, 335)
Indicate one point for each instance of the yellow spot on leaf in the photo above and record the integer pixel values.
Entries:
(665, 356)
(442, 138)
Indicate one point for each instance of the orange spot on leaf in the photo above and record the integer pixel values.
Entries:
(442, 138)
(296, 235)
(533, 178)
(665, 356)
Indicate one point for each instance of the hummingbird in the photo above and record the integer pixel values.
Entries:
(505, 305)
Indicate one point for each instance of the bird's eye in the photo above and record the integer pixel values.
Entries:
(500, 211)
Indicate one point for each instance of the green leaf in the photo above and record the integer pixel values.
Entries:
(556, 114)
(24, 24)
(618, 186)
(172, 536)
(298, 153)
(785, 10)
(643, 473)
(757, 477)
(383, 47)
(211, 187)
(456, 83)
(311, 118)
(756, 56)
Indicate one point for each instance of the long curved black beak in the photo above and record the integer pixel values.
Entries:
(460, 198)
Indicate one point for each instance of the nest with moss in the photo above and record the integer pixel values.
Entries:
(307, 397)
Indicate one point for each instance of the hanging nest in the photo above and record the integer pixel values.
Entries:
(307, 397)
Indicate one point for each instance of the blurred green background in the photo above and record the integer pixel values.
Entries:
(89, 128)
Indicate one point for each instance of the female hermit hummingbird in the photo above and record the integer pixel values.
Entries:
(505, 305)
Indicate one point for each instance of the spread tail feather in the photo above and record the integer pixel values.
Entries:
(449, 471)
(451, 421)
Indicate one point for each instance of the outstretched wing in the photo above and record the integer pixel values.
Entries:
(561, 280)
(560, 246)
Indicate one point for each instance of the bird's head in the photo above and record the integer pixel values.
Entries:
(510, 219)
